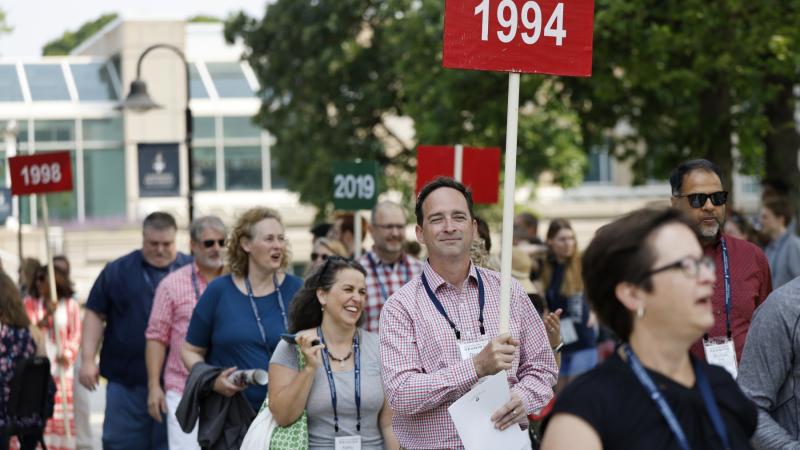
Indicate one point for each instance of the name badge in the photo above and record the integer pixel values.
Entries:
(721, 352)
(568, 332)
(348, 443)
(470, 349)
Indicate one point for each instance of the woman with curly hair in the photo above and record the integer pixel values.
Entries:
(240, 317)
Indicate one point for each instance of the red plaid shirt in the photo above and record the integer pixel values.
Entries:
(422, 369)
(383, 280)
(173, 304)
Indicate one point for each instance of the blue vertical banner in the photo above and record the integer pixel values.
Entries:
(159, 170)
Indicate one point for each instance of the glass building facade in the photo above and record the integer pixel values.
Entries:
(69, 104)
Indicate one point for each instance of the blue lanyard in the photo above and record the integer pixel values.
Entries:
(374, 267)
(663, 407)
(332, 382)
(440, 307)
(195, 284)
(255, 309)
(726, 275)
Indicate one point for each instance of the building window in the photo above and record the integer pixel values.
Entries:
(278, 182)
(55, 131)
(109, 129)
(240, 127)
(205, 168)
(599, 167)
(243, 168)
(46, 82)
(104, 182)
(10, 90)
(203, 128)
(93, 82)
(229, 80)
(196, 87)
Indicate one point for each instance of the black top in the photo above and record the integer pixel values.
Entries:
(617, 406)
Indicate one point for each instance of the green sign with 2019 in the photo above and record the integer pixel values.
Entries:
(355, 185)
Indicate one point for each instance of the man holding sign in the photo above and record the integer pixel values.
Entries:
(439, 334)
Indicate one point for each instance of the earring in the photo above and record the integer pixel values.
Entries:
(640, 312)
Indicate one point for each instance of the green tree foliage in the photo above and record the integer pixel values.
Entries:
(71, 39)
(691, 79)
(670, 81)
(333, 72)
(201, 18)
(4, 26)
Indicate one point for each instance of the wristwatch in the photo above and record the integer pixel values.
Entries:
(557, 348)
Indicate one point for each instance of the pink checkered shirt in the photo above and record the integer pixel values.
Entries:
(173, 304)
(422, 370)
(384, 278)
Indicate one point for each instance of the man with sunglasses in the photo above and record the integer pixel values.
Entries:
(388, 266)
(743, 277)
(173, 304)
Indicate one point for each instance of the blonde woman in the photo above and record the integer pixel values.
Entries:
(240, 317)
(561, 275)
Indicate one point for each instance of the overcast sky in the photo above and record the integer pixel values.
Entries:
(37, 22)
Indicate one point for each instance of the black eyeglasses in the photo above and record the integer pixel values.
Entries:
(315, 256)
(208, 243)
(689, 265)
(698, 200)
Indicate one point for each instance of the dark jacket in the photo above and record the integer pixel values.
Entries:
(223, 420)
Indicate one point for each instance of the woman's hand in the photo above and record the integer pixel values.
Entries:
(552, 324)
(312, 353)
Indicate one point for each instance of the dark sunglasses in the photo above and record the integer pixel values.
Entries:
(208, 243)
(328, 263)
(315, 256)
(698, 200)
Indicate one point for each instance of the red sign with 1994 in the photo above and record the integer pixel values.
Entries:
(526, 36)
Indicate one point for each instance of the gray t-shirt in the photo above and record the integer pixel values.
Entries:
(319, 408)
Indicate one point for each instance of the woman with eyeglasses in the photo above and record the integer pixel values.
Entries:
(323, 249)
(561, 276)
(240, 317)
(340, 386)
(648, 280)
(64, 318)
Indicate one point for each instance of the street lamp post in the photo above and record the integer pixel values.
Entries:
(139, 100)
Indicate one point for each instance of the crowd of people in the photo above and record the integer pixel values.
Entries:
(371, 347)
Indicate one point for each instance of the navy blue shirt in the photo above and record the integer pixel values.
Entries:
(123, 293)
(224, 324)
(573, 307)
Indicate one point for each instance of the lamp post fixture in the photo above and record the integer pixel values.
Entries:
(139, 100)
